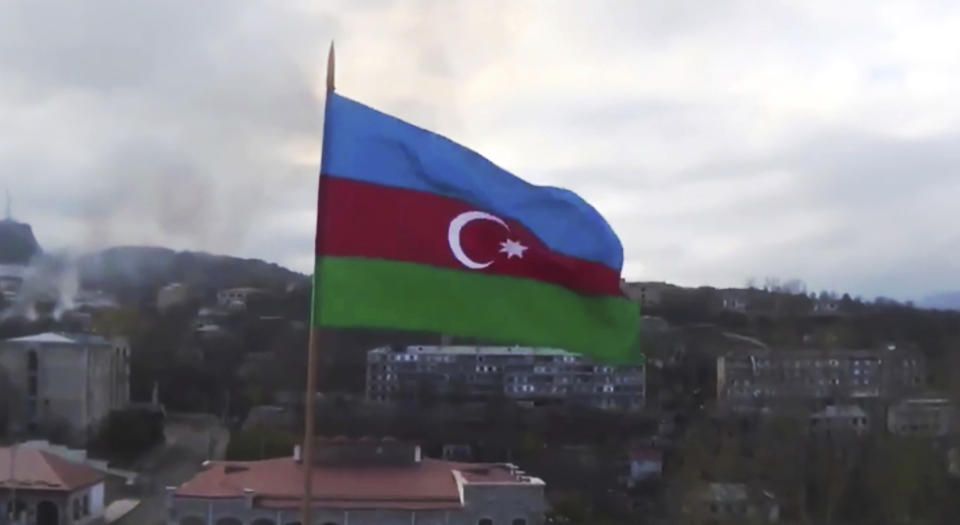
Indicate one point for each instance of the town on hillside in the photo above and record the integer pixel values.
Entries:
(147, 386)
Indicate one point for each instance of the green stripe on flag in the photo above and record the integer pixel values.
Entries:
(376, 293)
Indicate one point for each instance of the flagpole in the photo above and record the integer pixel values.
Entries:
(313, 349)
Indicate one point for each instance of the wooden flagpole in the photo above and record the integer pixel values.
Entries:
(313, 349)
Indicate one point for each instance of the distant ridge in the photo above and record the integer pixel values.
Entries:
(150, 267)
(17, 243)
(943, 301)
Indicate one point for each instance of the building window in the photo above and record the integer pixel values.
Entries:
(86, 504)
(32, 385)
(32, 361)
(485, 521)
(76, 509)
(519, 521)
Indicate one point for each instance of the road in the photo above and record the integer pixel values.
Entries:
(190, 439)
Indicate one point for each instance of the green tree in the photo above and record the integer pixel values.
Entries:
(260, 443)
(905, 481)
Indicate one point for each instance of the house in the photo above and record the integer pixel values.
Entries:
(171, 295)
(237, 298)
(839, 421)
(93, 300)
(457, 452)
(67, 381)
(209, 322)
(734, 300)
(922, 416)
(645, 464)
(732, 503)
(826, 307)
(359, 482)
(38, 487)
(646, 294)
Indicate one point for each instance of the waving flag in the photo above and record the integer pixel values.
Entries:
(416, 232)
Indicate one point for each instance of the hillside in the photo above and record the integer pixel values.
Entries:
(943, 301)
(122, 269)
(17, 243)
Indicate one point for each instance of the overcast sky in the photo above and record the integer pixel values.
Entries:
(722, 139)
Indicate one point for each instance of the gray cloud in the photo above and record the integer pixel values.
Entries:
(723, 141)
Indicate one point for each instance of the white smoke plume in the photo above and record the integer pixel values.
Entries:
(49, 279)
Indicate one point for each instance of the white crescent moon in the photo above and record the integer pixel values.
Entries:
(453, 236)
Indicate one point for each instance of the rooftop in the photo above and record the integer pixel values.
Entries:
(841, 411)
(645, 454)
(926, 401)
(734, 493)
(477, 350)
(241, 289)
(726, 492)
(809, 353)
(30, 468)
(278, 483)
(61, 338)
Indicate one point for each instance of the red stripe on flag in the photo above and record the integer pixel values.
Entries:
(359, 219)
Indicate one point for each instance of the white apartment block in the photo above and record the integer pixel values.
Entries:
(525, 374)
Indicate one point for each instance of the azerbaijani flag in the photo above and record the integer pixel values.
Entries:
(416, 232)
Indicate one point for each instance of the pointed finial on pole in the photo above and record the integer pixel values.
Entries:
(331, 68)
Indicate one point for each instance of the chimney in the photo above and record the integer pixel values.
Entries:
(169, 490)
(248, 497)
(296, 453)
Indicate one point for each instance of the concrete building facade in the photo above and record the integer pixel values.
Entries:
(816, 378)
(366, 482)
(646, 294)
(836, 421)
(65, 379)
(237, 298)
(717, 503)
(535, 375)
(922, 416)
(172, 294)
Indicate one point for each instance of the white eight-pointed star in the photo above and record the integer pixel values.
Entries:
(512, 248)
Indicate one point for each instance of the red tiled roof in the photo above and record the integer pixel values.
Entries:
(30, 468)
(278, 483)
(646, 454)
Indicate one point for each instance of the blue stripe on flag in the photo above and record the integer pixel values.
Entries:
(364, 144)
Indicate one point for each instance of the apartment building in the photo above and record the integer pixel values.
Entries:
(814, 378)
(535, 375)
(922, 416)
(74, 379)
